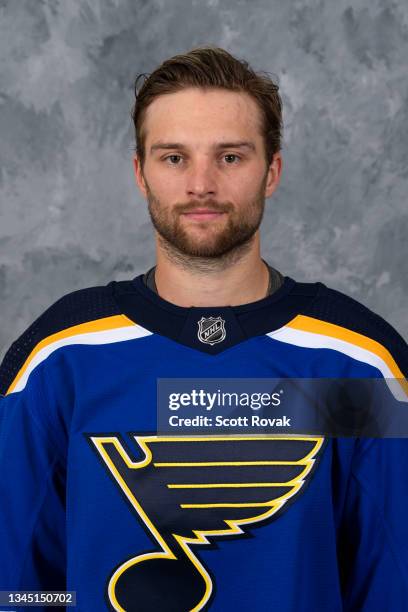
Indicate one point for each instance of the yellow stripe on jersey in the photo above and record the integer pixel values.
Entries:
(311, 332)
(336, 331)
(114, 328)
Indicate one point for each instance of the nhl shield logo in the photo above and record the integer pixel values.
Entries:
(211, 330)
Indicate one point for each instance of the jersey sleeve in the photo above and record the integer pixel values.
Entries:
(36, 399)
(32, 490)
(373, 539)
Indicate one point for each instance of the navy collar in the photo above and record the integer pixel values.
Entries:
(235, 323)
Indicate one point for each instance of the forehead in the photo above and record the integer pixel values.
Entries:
(201, 114)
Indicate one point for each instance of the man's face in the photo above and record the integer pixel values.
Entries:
(205, 174)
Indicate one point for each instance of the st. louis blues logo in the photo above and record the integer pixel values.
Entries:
(186, 490)
(211, 330)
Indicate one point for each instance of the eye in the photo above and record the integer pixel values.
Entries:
(173, 159)
(228, 157)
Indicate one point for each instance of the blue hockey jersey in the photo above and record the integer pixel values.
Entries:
(94, 500)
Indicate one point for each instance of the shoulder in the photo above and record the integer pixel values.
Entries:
(71, 313)
(336, 314)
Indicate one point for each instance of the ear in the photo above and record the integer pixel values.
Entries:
(274, 174)
(139, 175)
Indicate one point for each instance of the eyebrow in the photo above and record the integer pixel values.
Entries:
(242, 144)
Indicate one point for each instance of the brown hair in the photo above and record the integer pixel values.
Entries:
(210, 67)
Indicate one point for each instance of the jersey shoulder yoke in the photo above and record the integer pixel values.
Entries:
(74, 311)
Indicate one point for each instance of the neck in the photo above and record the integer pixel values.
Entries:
(239, 277)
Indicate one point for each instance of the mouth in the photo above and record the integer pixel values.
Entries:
(203, 214)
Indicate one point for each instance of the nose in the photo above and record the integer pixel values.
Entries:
(201, 180)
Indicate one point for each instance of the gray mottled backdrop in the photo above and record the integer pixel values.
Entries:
(71, 215)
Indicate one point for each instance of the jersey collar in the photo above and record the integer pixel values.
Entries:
(216, 328)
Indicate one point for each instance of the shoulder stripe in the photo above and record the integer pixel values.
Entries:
(314, 333)
(106, 330)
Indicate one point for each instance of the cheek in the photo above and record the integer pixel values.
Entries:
(240, 190)
(243, 184)
(166, 187)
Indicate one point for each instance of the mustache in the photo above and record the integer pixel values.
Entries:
(208, 204)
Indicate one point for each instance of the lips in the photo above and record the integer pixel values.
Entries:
(203, 214)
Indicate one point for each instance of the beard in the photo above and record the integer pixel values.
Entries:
(220, 240)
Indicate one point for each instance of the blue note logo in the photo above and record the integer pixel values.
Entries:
(211, 330)
(187, 492)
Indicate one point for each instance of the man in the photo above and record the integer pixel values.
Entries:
(94, 499)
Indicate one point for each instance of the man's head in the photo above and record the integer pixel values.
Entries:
(208, 133)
